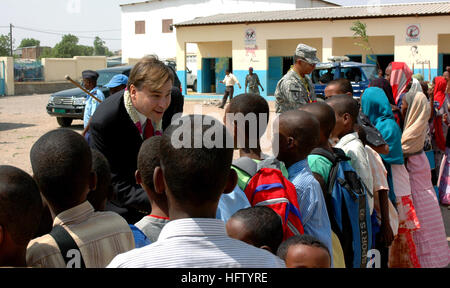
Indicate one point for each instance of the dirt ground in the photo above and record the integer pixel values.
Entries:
(23, 119)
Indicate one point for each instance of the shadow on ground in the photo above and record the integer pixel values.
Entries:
(12, 126)
(79, 127)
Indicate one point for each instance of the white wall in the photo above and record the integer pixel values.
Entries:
(164, 44)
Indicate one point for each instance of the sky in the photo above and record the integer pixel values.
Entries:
(85, 19)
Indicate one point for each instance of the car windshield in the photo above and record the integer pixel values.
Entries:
(353, 74)
(105, 77)
(322, 75)
(370, 72)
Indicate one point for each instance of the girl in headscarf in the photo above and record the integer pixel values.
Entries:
(375, 105)
(439, 128)
(430, 238)
(444, 175)
(399, 76)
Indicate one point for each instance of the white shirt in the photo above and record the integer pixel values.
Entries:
(197, 243)
(230, 80)
(354, 149)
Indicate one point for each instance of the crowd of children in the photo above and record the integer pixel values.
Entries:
(345, 177)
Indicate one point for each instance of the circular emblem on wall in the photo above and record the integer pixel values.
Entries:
(250, 34)
(413, 31)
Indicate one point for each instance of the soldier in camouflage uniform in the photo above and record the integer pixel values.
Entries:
(252, 81)
(296, 88)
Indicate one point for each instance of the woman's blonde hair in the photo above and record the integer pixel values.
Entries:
(150, 72)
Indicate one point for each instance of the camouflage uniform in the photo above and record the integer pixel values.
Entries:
(252, 81)
(291, 92)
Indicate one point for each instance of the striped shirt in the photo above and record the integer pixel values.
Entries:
(100, 236)
(311, 202)
(197, 243)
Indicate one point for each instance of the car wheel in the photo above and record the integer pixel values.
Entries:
(194, 87)
(64, 122)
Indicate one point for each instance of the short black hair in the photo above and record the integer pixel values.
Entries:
(265, 226)
(196, 163)
(228, 70)
(148, 160)
(344, 104)
(324, 113)
(303, 127)
(299, 240)
(247, 104)
(61, 161)
(345, 86)
(104, 189)
(20, 204)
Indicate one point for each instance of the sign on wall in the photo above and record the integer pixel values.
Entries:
(250, 42)
(413, 33)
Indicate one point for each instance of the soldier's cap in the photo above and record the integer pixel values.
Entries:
(307, 53)
(117, 80)
(89, 74)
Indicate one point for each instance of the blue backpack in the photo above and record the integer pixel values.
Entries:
(348, 209)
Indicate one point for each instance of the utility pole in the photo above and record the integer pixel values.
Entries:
(11, 39)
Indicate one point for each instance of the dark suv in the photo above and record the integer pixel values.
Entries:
(69, 104)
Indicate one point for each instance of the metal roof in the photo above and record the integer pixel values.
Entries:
(150, 1)
(325, 13)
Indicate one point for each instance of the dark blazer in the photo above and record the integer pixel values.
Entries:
(113, 133)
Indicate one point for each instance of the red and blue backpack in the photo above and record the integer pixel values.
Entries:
(268, 187)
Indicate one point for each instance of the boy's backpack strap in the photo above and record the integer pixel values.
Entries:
(247, 165)
(66, 243)
(269, 162)
(324, 153)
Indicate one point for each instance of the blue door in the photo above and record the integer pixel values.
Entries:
(274, 74)
(221, 66)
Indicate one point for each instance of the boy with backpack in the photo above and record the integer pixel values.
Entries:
(321, 166)
(346, 111)
(62, 167)
(345, 191)
(298, 135)
(256, 170)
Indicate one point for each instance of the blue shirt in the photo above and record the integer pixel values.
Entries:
(92, 104)
(140, 240)
(311, 202)
(231, 203)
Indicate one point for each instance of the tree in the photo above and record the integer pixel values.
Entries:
(5, 45)
(360, 32)
(100, 49)
(68, 48)
(29, 42)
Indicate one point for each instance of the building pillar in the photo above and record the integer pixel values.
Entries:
(181, 62)
(254, 55)
(9, 74)
(327, 48)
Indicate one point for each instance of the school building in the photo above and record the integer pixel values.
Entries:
(418, 34)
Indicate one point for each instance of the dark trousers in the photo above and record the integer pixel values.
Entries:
(228, 91)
